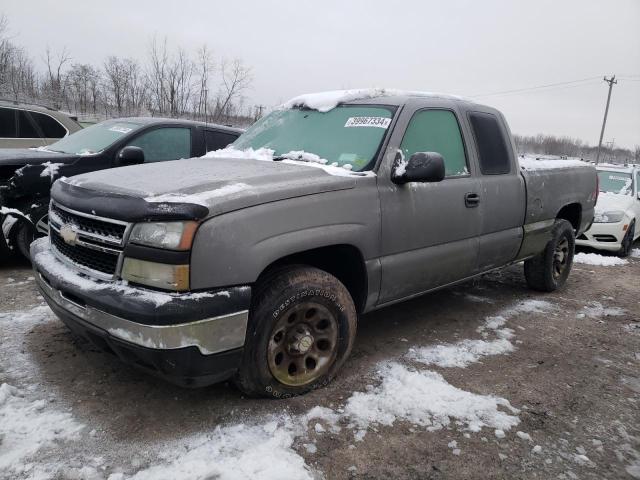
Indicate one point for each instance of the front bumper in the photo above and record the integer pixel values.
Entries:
(603, 236)
(191, 339)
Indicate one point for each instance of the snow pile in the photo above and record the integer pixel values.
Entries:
(635, 253)
(533, 163)
(597, 310)
(27, 426)
(466, 352)
(425, 398)
(296, 157)
(199, 198)
(234, 452)
(265, 154)
(50, 170)
(599, 260)
(325, 101)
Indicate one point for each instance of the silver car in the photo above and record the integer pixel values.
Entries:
(25, 125)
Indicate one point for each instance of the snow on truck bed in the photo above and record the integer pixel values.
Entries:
(530, 163)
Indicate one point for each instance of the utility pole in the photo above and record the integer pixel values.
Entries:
(611, 81)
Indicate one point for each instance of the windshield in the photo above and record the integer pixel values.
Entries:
(346, 136)
(94, 139)
(615, 182)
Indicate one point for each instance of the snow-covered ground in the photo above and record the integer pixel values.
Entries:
(417, 389)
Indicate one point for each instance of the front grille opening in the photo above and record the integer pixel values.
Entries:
(73, 298)
(86, 257)
(113, 231)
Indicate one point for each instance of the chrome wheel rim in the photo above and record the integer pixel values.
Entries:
(303, 344)
(560, 258)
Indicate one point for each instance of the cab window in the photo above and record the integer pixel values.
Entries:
(437, 131)
(167, 143)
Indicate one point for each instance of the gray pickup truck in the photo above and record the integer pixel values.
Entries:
(255, 265)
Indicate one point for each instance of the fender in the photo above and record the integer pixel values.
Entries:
(234, 248)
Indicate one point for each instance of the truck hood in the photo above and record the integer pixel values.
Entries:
(609, 202)
(194, 188)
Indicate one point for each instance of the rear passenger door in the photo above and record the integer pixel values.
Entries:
(502, 193)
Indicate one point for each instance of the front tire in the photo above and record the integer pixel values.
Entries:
(548, 271)
(627, 241)
(26, 233)
(302, 325)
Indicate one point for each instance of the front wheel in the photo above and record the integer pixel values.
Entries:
(549, 270)
(302, 325)
(27, 233)
(627, 241)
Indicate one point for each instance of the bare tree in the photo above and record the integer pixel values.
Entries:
(115, 71)
(205, 69)
(235, 80)
(55, 84)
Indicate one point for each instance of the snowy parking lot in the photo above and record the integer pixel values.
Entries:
(484, 380)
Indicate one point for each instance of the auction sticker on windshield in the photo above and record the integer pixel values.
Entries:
(381, 122)
(120, 129)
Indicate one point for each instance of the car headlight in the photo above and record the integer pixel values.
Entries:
(159, 275)
(608, 217)
(168, 235)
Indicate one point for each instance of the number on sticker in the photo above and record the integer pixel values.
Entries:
(380, 122)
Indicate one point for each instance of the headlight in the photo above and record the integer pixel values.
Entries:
(608, 217)
(169, 235)
(159, 275)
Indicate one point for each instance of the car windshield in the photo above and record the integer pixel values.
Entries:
(346, 136)
(94, 139)
(615, 182)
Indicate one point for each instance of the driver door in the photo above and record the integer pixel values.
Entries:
(430, 231)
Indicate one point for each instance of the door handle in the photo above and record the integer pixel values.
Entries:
(471, 200)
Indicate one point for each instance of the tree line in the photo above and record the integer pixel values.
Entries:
(170, 81)
(574, 147)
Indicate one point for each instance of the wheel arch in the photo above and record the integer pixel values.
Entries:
(343, 261)
(571, 213)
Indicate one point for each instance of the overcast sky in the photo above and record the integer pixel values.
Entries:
(455, 46)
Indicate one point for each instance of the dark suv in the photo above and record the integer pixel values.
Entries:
(26, 175)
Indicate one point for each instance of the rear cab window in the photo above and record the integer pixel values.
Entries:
(493, 149)
(216, 140)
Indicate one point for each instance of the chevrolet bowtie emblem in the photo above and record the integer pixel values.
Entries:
(69, 234)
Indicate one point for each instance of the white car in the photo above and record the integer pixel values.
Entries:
(615, 225)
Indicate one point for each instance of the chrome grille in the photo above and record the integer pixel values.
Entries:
(97, 244)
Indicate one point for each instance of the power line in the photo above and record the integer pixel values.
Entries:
(527, 89)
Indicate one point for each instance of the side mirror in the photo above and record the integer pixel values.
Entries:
(421, 167)
(129, 156)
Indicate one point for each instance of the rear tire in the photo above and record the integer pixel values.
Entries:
(627, 241)
(549, 270)
(301, 329)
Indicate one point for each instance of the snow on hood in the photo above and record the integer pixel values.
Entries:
(609, 202)
(220, 184)
(325, 101)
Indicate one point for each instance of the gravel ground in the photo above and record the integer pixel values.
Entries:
(573, 377)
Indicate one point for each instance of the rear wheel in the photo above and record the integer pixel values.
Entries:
(301, 330)
(627, 241)
(549, 270)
